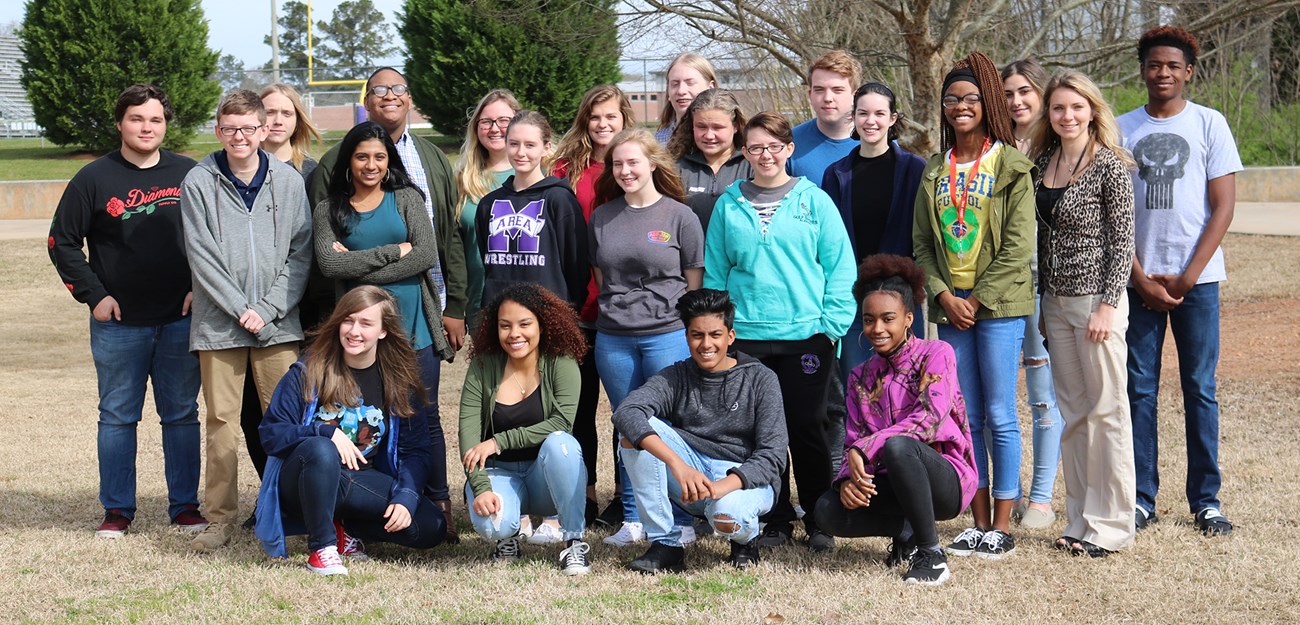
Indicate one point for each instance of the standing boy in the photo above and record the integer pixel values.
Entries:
(1185, 189)
(248, 234)
(828, 136)
(125, 207)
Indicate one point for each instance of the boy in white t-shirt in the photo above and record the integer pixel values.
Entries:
(1185, 191)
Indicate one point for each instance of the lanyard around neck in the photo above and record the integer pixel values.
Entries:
(960, 204)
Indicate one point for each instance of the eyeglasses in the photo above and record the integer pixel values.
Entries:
(229, 131)
(951, 101)
(382, 90)
(755, 150)
(500, 122)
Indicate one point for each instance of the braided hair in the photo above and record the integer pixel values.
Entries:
(997, 115)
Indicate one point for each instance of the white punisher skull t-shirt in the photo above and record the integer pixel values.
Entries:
(1176, 158)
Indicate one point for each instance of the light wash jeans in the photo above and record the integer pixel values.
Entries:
(988, 357)
(1047, 420)
(556, 482)
(657, 491)
(625, 363)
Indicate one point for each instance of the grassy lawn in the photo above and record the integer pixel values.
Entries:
(53, 569)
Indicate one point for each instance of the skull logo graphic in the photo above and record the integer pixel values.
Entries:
(1160, 158)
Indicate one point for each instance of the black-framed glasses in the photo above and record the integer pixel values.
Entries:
(382, 90)
(951, 101)
(229, 131)
(500, 122)
(755, 150)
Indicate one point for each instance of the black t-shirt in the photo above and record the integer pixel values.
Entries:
(523, 414)
(873, 194)
(365, 424)
(1045, 199)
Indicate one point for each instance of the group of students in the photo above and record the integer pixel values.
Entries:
(734, 284)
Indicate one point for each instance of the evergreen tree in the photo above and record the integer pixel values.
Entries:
(80, 54)
(292, 19)
(548, 52)
(355, 38)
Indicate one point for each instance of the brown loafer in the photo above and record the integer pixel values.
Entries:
(453, 536)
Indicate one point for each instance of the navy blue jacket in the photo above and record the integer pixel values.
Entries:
(838, 183)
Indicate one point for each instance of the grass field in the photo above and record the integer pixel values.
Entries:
(53, 569)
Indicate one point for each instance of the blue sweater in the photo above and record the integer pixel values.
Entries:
(289, 420)
(790, 280)
(838, 184)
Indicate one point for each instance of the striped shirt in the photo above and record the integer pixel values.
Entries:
(415, 171)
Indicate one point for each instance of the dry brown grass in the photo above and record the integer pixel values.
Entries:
(52, 569)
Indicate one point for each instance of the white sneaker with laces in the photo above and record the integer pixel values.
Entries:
(546, 534)
(688, 534)
(629, 534)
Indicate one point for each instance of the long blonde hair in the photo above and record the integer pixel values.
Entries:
(664, 176)
(472, 175)
(329, 381)
(575, 147)
(304, 131)
(668, 114)
(1103, 127)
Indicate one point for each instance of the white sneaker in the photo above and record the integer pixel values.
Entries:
(688, 534)
(525, 526)
(629, 534)
(546, 534)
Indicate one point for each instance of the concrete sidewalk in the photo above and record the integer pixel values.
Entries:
(1273, 218)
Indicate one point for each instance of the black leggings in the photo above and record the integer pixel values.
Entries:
(584, 421)
(919, 487)
(250, 417)
(803, 370)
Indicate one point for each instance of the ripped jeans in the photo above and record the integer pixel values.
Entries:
(1047, 421)
(656, 491)
(556, 482)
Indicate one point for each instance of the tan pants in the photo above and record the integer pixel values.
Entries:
(1097, 443)
(223, 374)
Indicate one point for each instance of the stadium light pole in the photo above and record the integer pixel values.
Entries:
(275, 45)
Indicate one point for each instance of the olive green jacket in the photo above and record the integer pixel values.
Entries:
(446, 221)
(561, 383)
(1003, 282)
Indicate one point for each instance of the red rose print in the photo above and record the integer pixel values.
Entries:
(116, 207)
(51, 242)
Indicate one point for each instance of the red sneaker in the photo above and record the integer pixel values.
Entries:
(326, 561)
(190, 520)
(349, 546)
(114, 526)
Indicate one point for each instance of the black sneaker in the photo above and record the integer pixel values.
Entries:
(612, 515)
(900, 553)
(744, 555)
(774, 536)
(965, 542)
(1143, 519)
(660, 557)
(250, 522)
(820, 542)
(575, 560)
(995, 545)
(929, 568)
(1211, 522)
(507, 549)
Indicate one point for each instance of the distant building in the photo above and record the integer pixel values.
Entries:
(757, 88)
(16, 117)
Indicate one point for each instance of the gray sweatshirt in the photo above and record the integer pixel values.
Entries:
(242, 259)
(733, 415)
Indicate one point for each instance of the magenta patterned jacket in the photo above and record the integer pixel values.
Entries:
(913, 392)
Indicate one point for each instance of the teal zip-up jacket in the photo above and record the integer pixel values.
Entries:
(790, 280)
(1003, 283)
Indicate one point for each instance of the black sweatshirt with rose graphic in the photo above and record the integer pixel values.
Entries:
(130, 221)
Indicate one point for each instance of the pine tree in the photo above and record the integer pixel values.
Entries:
(80, 54)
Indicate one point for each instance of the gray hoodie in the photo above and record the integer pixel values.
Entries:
(734, 415)
(242, 259)
(703, 187)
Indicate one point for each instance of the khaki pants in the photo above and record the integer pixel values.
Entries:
(223, 372)
(1097, 442)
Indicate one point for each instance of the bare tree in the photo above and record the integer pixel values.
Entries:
(912, 43)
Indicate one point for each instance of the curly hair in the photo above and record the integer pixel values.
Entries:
(1171, 36)
(889, 272)
(560, 334)
(997, 114)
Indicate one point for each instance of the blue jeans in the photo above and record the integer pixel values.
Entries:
(556, 482)
(624, 364)
(1195, 325)
(430, 372)
(126, 358)
(1047, 421)
(317, 488)
(988, 358)
(657, 492)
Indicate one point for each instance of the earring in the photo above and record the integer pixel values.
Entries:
(388, 176)
(347, 175)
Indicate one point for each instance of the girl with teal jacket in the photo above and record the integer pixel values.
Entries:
(777, 244)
